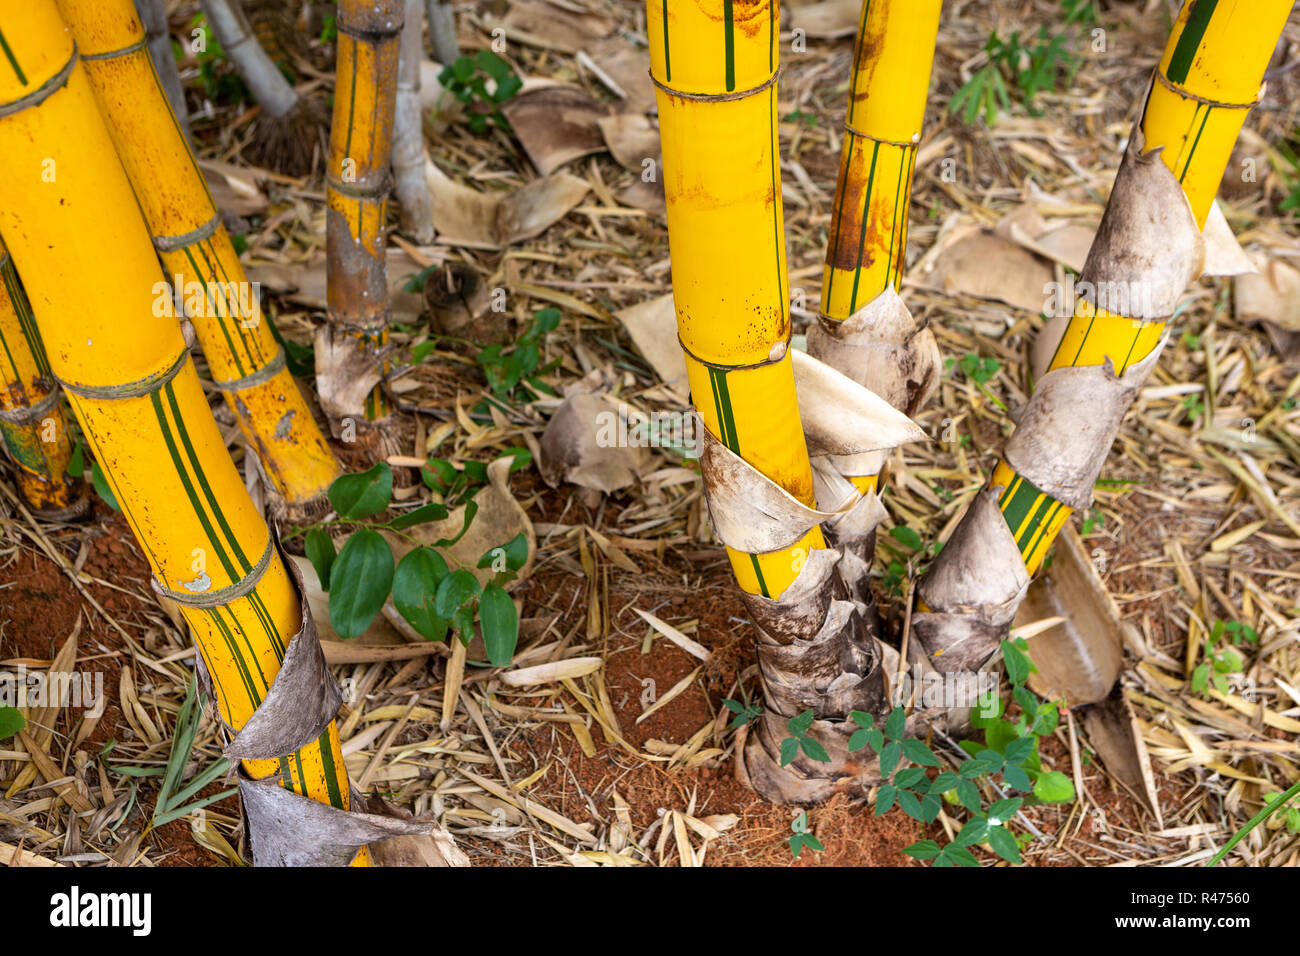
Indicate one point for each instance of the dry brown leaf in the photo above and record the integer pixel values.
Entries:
(555, 26)
(579, 446)
(556, 124)
(464, 216)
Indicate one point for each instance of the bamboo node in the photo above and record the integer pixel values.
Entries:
(175, 243)
(136, 389)
(908, 144)
(775, 355)
(257, 377)
(135, 47)
(43, 92)
(718, 97)
(221, 596)
(376, 191)
(27, 414)
(1189, 95)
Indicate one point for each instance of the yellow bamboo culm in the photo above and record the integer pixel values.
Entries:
(867, 246)
(1207, 81)
(31, 418)
(715, 66)
(361, 140)
(79, 241)
(206, 278)
(887, 94)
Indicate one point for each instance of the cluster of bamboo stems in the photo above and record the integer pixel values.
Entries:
(83, 119)
(715, 66)
(93, 160)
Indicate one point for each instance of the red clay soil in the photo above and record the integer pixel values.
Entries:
(39, 608)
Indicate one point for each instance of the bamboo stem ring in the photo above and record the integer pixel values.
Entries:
(909, 144)
(43, 92)
(376, 191)
(176, 243)
(360, 33)
(31, 413)
(264, 374)
(778, 353)
(221, 596)
(136, 389)
(1189, 95)
(113, 54)
(718, 97)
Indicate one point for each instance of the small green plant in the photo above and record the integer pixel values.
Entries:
(1219, 659)
(1287, 165)
(979, 370)
(1030, 66)
(512, 369)
(1278, 802)
(429, 595)
(744, 713)
(801, 838)
(1194, 406)
(329, 31)
(467, 80)
(1008, 753)
(1273, 803)
(985, 92)
(799, 740)
(175, 794)
(894, 575)
(1094, 520)
(457, 484)
(220, 83)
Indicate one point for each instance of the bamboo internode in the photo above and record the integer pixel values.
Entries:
(31, 416)
(198, 256)
(867, 249)
(65, 204)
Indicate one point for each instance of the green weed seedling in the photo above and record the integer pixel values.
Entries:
(1030, 67)
(799, 740)
(467, 80)
(512, 370)
(176, 796)
(1219, 658)
(745, 713)
(800, 837)
(431, 597)
(1007, 758)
